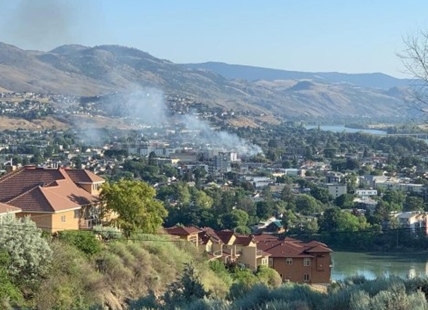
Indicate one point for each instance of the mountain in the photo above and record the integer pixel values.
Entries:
(88, 71)
(250, 73)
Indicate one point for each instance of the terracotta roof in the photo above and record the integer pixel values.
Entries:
(83, 176)
(42, 190)
(265, 237)
(182, 230)
(287, 249)
(207, 234)
(225, 235)
(4, 208)
(319, 249)
(292, 248)
(244, 240)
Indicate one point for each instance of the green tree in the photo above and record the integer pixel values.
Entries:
(234, 219)
(345, 201)
(321, 194)
(306, 204)
(135, 204)
(185, 290)
(413, 203)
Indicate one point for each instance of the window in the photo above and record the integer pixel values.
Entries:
(270, 262)
(264, 261)
(306, 262)
(76, 214)
(63, 218)
(288, 261)
(306, 277)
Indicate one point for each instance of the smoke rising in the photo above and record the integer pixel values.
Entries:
(145, 104)
(222, 139)
(41, 23)
(149, 107)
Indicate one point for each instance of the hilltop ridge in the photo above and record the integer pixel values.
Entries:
(88, 71)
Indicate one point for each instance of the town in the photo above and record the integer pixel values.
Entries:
(243, 197)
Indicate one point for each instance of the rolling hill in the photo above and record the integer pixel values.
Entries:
(88, 71)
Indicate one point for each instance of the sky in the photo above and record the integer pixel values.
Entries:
(352, 36)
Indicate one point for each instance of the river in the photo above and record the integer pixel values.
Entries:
(341, 128)
(372, 265)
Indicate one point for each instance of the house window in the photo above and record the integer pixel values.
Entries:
(306, 277)
(76, 214)
(63, 218)
(306, 262)
(264, 261)
(288, 261)
(270, 262)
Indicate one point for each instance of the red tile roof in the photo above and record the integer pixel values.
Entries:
(244, 240)
(4, 208)
(42, 190)
(182, 230)
(83, 176)
(290, 247)
(225, 235)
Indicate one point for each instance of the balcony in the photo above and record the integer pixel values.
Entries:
(86, 224)
(217, 253)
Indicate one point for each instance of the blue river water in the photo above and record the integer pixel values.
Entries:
(341, 128)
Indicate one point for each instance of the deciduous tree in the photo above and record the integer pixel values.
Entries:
(135, 204)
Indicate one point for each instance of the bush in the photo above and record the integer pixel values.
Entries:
(71, 283)
(107, 233)
(85, 241)
(29, 252)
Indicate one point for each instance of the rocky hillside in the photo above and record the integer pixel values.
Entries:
(81, 70)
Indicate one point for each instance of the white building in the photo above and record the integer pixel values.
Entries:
(366, 192)
(413, 220)
(336, 189)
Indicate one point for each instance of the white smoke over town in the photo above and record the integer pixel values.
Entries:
(148, 105)
(145, 104)
(222, 139)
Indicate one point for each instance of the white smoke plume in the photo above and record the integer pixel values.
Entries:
(221, 139)
(146, 105)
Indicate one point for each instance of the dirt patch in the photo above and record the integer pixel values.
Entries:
(38, 124)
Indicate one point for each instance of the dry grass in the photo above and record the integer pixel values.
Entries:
(38, 124)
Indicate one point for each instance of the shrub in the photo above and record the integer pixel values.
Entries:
(29, 252)
(107, 232)
(85, 241)
(71, 283)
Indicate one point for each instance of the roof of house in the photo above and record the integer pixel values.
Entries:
(206, 234)
(83, 176)
(244, 240)
(290, 247)
(225, 235)
(182, 230)
(42, 190)
(5, 208)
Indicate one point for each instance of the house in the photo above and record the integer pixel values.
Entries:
(270, 226)
(6, 209)
(297, 261)
(413, 220)
(224, 245)
(56, 199)
(190, 234)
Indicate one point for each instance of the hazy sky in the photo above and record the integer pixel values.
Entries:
(304, 35)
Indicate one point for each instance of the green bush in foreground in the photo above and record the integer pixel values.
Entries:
(383, 293)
